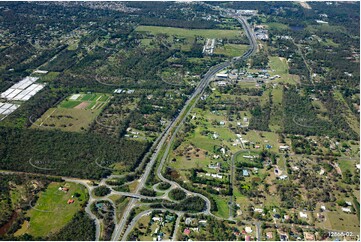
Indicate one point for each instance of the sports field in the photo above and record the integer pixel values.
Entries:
(75, 113)
(51, 211)
(85, 101)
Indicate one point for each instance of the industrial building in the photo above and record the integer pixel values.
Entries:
(23, 90)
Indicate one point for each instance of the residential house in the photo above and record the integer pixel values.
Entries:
(258, 210)
(248, 230)
(346, 210)
(156, 219)
(269, 235)
(215, 166)
(169, 218)
(303, 215)
(186, 231)
(309, 236)
(195, 229)
(188, 221)
(284, 147)
(202, 222)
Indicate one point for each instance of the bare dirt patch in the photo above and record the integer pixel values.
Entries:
(304, 4)
(83, 105)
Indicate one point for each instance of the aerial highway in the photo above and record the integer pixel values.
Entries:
(180, 121)
(175, 126)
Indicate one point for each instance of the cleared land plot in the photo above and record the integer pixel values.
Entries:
(190, 159)
(50, 76)
(187, 36)
(350, 117)
(340, 221)
(347, 165)
(222, 205)
(277, 26)
(231, 50)
(66, 119)
(305, 5)
(74, 113)
(244, 156)
(280, 67)
(277, 110)
(51, 211)
(270, 137)
(190, 33)
(82, 105)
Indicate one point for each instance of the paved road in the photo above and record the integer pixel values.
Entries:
(258, 230)
(176, 124)
(250, 35)
(176, 227)
(232, 178)
(205, 82)
(120, 226)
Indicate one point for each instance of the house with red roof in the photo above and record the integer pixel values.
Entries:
(186, 231)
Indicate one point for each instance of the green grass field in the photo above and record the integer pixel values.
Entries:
(73, 115)
(231, 50)
(66, 119)
(347, 113)
(277, 94)
(347, 165)
(203, 142)
(280, 67)
(270, 137)
(276, 118)
(239, 157)
(223, 209)
(341, 221)
(91, 99)
(69, 104)
(321, 28)
(190, 33)
(277, 26)
(50, 76)
(59, 213)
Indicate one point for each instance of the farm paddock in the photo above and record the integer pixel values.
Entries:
(74, 114)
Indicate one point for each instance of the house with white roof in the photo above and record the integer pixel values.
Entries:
(303, 215)
(346, 210)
